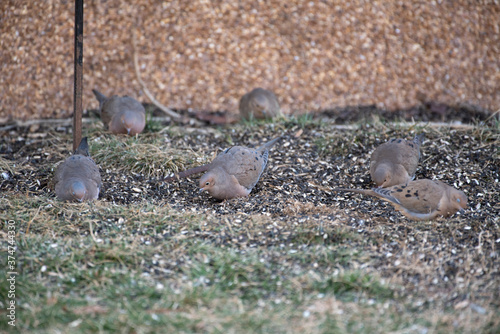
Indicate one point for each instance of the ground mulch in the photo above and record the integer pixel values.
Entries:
(447, 260)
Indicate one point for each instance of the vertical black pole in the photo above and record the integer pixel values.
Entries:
(77, 96)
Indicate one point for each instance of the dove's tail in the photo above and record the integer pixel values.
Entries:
(269, 144)
(188, 172)
(83, 148)
(382, 193)
(99, 96)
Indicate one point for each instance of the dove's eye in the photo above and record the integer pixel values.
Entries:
(207, 183)
(458, 200)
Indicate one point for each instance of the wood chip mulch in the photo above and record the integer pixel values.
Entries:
(202, 55)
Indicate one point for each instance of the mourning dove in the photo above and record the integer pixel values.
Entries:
(233, 173)
(260, 104)
(395, 161)
(121, 114)
(78, 177)
(421, 199)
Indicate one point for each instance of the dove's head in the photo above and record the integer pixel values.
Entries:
(221, 185)
(78, 190)
(133, 122)
(386, 175)
(382, 176)
(260, 105)
(213, 182)
(207, 182)
(458, 200)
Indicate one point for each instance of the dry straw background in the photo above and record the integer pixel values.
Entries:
(203, 55)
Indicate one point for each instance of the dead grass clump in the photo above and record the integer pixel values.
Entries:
(130, 155)
(6, 165)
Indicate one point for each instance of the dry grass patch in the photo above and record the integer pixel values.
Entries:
(6, 165)
(129, 154)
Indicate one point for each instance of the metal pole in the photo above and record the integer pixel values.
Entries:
(77, 96)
